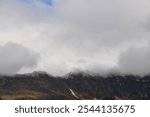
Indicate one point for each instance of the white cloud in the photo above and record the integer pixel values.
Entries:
(94, 31)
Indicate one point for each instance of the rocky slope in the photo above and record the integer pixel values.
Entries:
(40, 85)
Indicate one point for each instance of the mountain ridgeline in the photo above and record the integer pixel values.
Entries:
(74, 86)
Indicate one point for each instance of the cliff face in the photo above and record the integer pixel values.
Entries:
(74, 86)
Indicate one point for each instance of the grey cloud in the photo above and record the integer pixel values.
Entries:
(104, 22)
(96, 31)
(146, 24)
(14, 57)
(135, 61)
(92, 28)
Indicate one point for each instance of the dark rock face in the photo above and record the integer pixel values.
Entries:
(74, 86)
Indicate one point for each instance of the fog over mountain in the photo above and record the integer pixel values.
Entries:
(60, 36)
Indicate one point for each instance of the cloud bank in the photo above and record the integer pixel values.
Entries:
(14, 57)
(135, 61)
(96, 35)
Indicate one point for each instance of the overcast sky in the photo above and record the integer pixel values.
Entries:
(60, 36)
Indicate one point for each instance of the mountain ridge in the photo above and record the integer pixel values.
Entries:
(74, 86)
